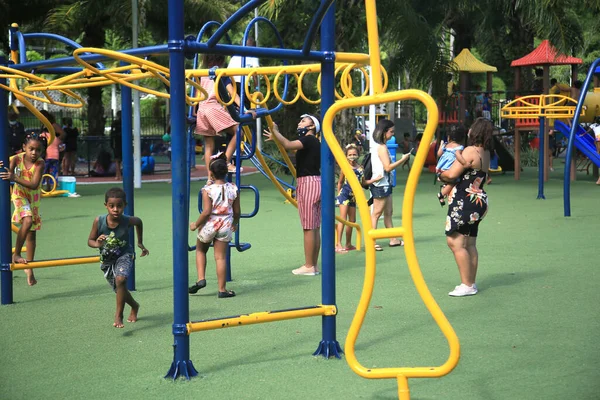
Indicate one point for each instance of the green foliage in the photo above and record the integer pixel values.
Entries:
(530, 157)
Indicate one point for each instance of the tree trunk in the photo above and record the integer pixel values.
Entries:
(94, 37)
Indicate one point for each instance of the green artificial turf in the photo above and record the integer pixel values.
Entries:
(531, 333)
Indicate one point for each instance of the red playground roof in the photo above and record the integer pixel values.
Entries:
(545, 54)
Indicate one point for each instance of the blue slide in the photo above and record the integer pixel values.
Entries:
(583, 141)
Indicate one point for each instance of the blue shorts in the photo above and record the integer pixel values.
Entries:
(122, 266)
(381, 192)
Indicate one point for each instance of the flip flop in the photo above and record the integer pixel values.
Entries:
(224, 295)
(197, 286)
(378, 248)
(350, 248)
(396, 244)
(341, 250)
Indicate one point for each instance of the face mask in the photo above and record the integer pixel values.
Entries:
(352, 158)
(12, 122)
(302, 132)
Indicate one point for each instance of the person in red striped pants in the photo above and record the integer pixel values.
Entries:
(308, 191)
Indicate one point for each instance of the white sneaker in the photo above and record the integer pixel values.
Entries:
(463, 290)
(304, 270)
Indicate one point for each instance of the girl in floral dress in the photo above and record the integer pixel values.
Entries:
(468, 205)
(219, 219)
(26, 170)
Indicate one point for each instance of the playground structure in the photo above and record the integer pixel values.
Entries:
(329, 63)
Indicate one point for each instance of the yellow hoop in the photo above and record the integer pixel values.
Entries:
(53, 186)
(247, 89)
(306, 99)
(276, 92)
(216, 90)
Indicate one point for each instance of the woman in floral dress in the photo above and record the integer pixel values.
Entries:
(468, 204)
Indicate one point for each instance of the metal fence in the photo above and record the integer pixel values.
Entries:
(151, 123)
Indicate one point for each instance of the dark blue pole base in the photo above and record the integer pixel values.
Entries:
(541, 196)
(329, 349)
(181, 369)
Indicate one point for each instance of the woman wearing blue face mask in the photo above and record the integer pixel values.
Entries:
(308, 191)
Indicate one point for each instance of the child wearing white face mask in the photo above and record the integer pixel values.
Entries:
(346, 200)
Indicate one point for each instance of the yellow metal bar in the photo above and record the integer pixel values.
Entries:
(384, 233)
(534, 106)
(56, 263)
(14, 228)
(260, 317)
(407, 222)
(358, 58)
(373, 38)
(22, 249)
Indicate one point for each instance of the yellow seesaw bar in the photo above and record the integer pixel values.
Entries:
(56, 262)
(260, 317)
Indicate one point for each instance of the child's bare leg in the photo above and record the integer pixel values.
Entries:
(232, 143)
(209, 148)
(340, 226)
(135, 307)
(26, 223)
(351, 218)
(220, 249)
(122, 292)
(30, 241)
(201, 249)
(446, 189)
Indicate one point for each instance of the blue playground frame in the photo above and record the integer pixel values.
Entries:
(178, 48)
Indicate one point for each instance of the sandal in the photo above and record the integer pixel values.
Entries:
(440, 197)
(397, 243)
(228, 293)
(197, 286)
(341, 250)
(350, 248)
(378, 248)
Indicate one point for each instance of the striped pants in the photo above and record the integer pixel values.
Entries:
(309, 201)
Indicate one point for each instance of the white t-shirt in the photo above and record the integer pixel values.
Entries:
(596, 129)
(236, 62)
(377, 165)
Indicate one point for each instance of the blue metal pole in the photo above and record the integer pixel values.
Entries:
(329, 346)
(5, 233)
(541, 163)
(574, 125)
(127, 150)
(181, 365)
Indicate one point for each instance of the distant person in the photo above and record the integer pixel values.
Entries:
(595, 127)
(104, 166)
(406, 148)
(70, 153)
(538, 82)
(116, 143)
(575, 91)
(53, 150)
(251, 62)
(110, 234)
(148, 162)
(16, 133)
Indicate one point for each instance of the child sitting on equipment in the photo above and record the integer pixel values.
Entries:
(26, 170)
(110, 234)
(447, 154)
(217, 222)
(212, 118)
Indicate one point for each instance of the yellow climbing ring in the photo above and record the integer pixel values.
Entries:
(302, 95)
(276, 92)
(156, 70)
(266, 96)
(14, 74)
(346, 81)
(48, 176)
(216, 90)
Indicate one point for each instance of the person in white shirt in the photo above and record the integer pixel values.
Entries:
(236, 62)
(595, 127)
